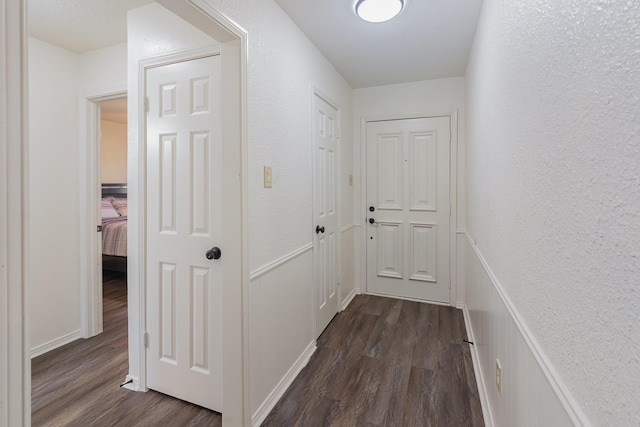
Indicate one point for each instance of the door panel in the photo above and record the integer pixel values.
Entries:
(325, 207)
(184, 288)
(408, 190)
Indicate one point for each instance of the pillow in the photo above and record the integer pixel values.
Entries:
(108, 211)
(120, 205)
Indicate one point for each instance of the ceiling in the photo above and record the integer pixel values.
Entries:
(80, 25)
(429, 39)
(114, 110)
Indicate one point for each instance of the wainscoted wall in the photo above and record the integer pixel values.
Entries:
(553, 188)
(347, 267)
(532, 392)
(280, 327)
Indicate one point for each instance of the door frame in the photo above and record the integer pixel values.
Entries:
(453, 191)
(15, 387)
(233, 44)
(90, 183)
(315, 92)
(15, 348)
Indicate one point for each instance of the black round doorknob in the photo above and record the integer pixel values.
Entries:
(319, 229)
(214, 253)
(371, 220)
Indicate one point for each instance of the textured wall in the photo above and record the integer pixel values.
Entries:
(553, 185)
(283, 66)
(282, 69)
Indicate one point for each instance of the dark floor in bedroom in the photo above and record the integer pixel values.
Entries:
(78, 384)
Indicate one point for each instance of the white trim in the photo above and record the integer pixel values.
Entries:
(134, 385)
(89, 195)
(15, 366)
(279, 390)
(453, 189)
(53, 344)
(349, 298)
(280, 261)
(347, 227)
(482, 386)
(426, 301)
(562, 392)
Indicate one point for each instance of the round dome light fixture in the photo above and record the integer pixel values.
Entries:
(378, 10)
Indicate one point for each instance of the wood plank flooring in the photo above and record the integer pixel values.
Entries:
(381, 362)
(78, 384)
(386, 362)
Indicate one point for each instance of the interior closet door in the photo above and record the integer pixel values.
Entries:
(184, 263)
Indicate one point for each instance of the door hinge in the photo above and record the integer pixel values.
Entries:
(146, 339)
(99, 228)
(146, 104)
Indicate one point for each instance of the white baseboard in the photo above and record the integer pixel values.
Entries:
(482, 386)
(53, 344)
(134, 385)
(261, 413)
(348, 299)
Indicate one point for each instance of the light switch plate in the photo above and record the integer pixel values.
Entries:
(268, 177)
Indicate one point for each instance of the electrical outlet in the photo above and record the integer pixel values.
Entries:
(499, 376)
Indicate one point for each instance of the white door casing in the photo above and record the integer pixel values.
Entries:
(184, 208)
(325, 208)
(408, 188)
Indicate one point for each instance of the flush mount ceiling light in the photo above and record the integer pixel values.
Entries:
(378, 10)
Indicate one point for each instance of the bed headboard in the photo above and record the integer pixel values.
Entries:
(115, 190)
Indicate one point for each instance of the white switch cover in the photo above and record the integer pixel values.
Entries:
(268, 177)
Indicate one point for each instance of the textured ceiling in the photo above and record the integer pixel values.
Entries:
(429, 39)
(80, 25)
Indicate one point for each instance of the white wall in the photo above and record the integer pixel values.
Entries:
(53, 273)
(283, 68)
(113, 151)
(553, 196)
(430, 96)
(57, 78)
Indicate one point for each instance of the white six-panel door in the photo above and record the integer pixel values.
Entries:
(184, 288)
(408, 208)
(325, 208)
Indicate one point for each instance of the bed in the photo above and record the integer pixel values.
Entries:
(114, 220)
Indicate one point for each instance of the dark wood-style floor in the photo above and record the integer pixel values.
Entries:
(381, 362)
(78, 384)
(386, 362)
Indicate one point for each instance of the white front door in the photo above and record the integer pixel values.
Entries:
(184, 287)
(325, 208)
(408, 208)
